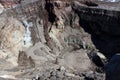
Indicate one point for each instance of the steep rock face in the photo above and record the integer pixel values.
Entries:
(9, 33)
(64, 25)
(102, 22)
(11, 38)
(57, 35)
(66, 35)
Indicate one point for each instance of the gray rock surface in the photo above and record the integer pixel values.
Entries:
(62, 33)
(89, 75)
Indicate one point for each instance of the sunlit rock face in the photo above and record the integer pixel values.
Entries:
(11, 37)
(66, 35)
(1, 8)
(58, 39)
(64, 30)
(12, 34)
(9, 3)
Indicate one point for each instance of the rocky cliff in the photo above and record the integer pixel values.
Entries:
(58, 40)
(102, 22)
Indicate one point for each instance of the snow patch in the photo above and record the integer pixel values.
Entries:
(27, 38)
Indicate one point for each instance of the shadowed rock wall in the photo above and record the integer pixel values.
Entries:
(102, 23)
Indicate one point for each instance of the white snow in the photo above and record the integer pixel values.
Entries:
(27, 38)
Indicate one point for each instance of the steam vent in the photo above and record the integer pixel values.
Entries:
(59, 39)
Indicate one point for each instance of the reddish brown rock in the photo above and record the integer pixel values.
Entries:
(9, 3)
